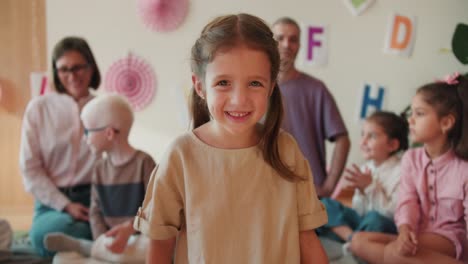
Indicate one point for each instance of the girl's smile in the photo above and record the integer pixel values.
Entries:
(236, 87)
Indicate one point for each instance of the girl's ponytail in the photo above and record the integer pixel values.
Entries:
(461, 147)
(199, 109)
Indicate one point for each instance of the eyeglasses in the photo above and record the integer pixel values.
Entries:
(87, 131)
(75, 69)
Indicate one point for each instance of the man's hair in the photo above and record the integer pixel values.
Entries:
(287, 21)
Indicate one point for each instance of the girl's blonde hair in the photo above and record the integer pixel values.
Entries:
(226, 32)
(110, 110)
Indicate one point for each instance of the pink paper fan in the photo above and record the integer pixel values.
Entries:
(133, 78)
(162, 15)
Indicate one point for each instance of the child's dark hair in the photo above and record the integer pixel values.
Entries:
(225, 32)
(451, 99)
(81, 46)
(394, 126)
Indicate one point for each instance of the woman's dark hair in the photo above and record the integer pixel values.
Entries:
(451, 99)
(225, 32)
(81, 46)
(394, 126)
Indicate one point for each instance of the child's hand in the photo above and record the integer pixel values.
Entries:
(77, 211)
(406, 243)
(121, 234)
(358, 179)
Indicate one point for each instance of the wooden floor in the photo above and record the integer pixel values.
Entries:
(19, 217)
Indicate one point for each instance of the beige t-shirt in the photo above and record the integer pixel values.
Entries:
(229, 205)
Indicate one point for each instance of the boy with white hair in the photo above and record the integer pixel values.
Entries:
(118, 187)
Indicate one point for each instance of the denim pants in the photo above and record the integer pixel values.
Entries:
(47, 220)
(340, 215)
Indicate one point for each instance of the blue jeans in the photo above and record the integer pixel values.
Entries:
(340, 215)
(47, 220)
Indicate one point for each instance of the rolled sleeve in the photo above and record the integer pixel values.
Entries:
(161, 215)
(156, 232)
(311, 212)
(314, 219)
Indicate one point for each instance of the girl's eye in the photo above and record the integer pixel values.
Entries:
(256, 84)
(222, 83)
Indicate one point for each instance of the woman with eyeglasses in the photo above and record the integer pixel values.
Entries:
(55, 161)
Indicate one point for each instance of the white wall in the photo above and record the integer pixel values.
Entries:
(113, 28)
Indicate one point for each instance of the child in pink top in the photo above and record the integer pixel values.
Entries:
(432, 210)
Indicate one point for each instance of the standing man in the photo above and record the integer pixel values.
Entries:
(311, 114)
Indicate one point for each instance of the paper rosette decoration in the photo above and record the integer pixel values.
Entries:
(133, 78)
(162, 15)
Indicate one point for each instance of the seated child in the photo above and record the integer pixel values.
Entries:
(432, 208)
(118, 187)
(384, 135)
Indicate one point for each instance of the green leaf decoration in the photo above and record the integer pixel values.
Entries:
(460, 43)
